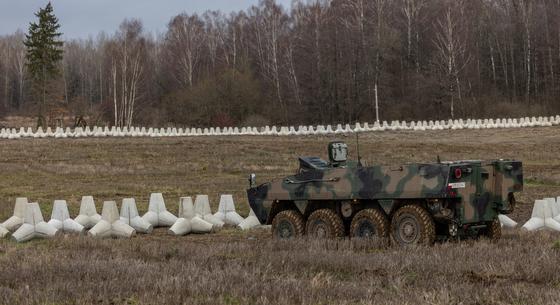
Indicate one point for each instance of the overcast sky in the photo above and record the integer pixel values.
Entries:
(82, 18)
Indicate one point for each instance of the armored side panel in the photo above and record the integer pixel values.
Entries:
(348, 183)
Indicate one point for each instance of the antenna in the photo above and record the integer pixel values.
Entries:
(358, 149)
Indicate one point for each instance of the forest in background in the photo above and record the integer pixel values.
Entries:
(322, 61)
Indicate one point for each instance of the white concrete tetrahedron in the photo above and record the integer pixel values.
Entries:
(232, 218)
(226, 204)
(199, 225)
(542, 217)
(557, 217)
(250, 222)
(34, 226)
(202, 210)
(129, 215)
(226, 211)
(157, 214)
(88, 216)
(202, 205)
(181, 227)
(507, 222)
(3, 232)
(14, 222)
(184, 224)
(186, 208)
(110, 224)
(60, 218)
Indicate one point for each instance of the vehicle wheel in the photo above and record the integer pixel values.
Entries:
(287, 224)
(369, 223)
(412, 224)
(325, 223)
(494, 230)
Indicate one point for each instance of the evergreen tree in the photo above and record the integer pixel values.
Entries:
(44, 49)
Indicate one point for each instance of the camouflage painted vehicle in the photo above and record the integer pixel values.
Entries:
(411, 203)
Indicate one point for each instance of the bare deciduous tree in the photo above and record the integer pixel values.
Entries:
(452, 54)
(127, 53)
(185, 39)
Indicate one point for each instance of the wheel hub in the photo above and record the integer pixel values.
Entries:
(285, 230)
(408, 230)
(321, 229)
(366, 229)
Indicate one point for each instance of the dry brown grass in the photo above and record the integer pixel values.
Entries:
(232, 267)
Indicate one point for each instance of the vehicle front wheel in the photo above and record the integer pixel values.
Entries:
(325, 223)
(412, 224)
(288, 224)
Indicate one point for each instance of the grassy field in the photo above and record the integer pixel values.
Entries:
(232, 267)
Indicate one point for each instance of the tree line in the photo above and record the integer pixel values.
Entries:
(321, 61)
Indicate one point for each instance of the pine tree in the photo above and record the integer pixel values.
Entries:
(44, 49)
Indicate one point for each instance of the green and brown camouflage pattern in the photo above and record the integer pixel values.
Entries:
(482, 191)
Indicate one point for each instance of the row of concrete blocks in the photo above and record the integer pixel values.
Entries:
(27, 221)
(278, 131)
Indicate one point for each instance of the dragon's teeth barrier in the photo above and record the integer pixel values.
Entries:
(34, 226)
(98, 132)
(110, 224)
(60, 218)
(14, 222)
(88, 216)
(546, 215)
(192, 218)
(157, 214)
(130, 216)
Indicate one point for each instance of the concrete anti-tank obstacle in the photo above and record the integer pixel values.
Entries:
(34, 226)
(14, 222)
(226, 211)
(186, 208)
(88, 216)
(110, 224)
(182, 227)
(60, 219)
(78, 132)
(186, 212)
(188, 222)
(202, 210)
(507, 222)
(130, 216)
(3, 232)
(157, 214)
(542, 217)
(250, 222)
(554, 208)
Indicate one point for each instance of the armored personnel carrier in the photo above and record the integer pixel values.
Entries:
(410, 204)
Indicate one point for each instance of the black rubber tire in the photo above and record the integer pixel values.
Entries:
(494, 230)
(324, 223)
(412, 225)
(369, 223)
(288, 224)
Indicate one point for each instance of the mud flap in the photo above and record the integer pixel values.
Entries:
(301, 205)
(386, 205)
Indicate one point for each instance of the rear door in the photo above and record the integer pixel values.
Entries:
(484, 205)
